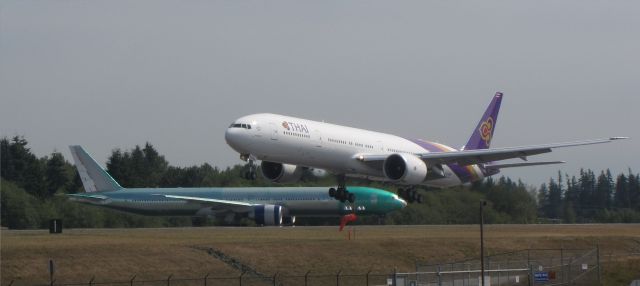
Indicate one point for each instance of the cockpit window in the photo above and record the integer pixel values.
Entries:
(240, 125)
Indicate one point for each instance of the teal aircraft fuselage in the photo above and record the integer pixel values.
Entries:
(297, 201)
(266, 206)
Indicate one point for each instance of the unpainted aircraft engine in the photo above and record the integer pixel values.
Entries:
(268, 214)
(405, 168)
(281, 173)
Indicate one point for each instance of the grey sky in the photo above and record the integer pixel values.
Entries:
(109, 74)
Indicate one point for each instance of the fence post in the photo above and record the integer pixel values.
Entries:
(91, 281)
(51, 271)
(395, 275)
(205, 279)
(274, 278)
(306, 276)
(562, 264)
(368, 276)
(569, 272)
(598, 262)
(132, 278)
(169, 280)
(439, 277)
(240, 278)
(338, 278)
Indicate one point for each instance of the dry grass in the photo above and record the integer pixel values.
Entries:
(117, 254)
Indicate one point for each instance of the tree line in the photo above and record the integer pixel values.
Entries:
(590, 198)
(33, 189)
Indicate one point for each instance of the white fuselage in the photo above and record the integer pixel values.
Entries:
(335, 148)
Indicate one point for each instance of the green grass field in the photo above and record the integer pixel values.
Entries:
(118, 254)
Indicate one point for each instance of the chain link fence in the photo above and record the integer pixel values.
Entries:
(524, 267)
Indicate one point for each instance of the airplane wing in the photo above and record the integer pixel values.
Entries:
(97, 199)
(526, 164)
(215, 203)
(479, 156)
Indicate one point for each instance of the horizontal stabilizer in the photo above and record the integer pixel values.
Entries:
(527, 164)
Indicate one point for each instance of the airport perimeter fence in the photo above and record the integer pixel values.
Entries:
(523, 267)
(308, 279)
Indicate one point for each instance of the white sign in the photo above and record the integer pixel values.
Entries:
(517, 279)
(539, 267)
(585, 266)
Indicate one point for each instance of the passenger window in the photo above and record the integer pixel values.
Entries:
(248, 126)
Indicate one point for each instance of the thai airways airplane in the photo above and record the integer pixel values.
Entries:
(288, 146)
(266, 206)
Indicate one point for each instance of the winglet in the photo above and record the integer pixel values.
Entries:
(483, 133)
(94, 178)
(618, 138)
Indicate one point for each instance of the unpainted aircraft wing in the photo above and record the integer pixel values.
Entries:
(214, 203)
(479, 156)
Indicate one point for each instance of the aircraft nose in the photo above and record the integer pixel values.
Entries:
(403, 203)
(231, 136)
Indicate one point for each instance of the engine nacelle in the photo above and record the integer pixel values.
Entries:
(318, 173)
(281, 173)
(405, 168)
(268, 214)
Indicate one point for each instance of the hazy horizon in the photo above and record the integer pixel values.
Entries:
(113, 74)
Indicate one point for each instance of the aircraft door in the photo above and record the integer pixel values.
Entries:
(273, 130)
(319, 138)
(380, 146)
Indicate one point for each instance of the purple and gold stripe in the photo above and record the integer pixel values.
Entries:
(464, 173)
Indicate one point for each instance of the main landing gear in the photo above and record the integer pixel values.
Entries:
(249, 171)
(341, 193)
(410, 195)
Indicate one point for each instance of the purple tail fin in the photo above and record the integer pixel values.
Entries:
(482, 135)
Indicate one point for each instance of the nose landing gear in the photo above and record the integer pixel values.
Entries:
(249, 171)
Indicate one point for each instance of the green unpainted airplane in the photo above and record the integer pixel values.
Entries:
(266, 206)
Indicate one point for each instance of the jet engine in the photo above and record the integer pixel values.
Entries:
(268, 214)
(405, 168)
(281, 173)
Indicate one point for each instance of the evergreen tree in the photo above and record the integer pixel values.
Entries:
(56, 174)
(555, 199)
(634, 190)
(603, 191)
(621, 197)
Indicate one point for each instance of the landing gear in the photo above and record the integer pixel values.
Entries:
(410, 195)
(198, 221)
(341, 193)
(249, 172)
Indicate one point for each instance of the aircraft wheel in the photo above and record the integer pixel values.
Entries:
(414, 195)
(340, 194)
(332, 192)
(352, 197)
